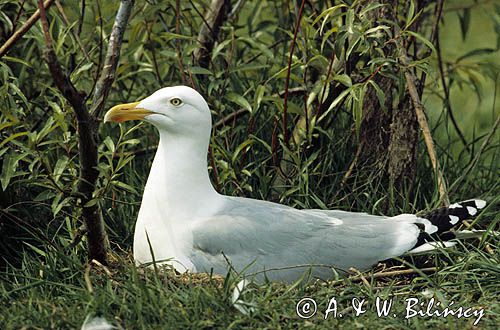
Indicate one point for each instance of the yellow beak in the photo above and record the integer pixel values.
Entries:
(125, 112)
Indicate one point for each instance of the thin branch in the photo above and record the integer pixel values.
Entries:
(233, 15)
(397, 273)
(19, 13)
(177, 42)
(101, 46)
(75, 35)
(22, 31)
(288, 72)
(61, 80)
(240, 112)
(360, 276)
(437, 19)
(80, 233)
(232, 116)
(107, 77)
(486, 141)
(352, 165)
(212, 163)
(447, 102)
(422, 121)
(82, 16)
(205, 23)
(434, 38)
(153, 52)
(438, 12)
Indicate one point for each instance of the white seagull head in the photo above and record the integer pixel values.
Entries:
(178, 110)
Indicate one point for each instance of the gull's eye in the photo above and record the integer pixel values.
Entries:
(176, 101)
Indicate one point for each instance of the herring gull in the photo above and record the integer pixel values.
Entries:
(185, 222)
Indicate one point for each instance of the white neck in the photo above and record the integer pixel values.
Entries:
(178, 185)
(178, 192)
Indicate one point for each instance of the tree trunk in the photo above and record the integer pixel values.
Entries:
(403, 147)
(389, 139)
(374, 132)
(213, 20)
(97, 239)
(88, 124)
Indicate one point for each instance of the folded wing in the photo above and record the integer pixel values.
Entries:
(255, 236)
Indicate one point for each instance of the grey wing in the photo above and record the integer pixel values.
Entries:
(255, 236)
(355, 216)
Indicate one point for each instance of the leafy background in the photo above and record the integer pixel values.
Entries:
(45, 279)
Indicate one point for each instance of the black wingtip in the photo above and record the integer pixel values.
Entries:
(445, 218)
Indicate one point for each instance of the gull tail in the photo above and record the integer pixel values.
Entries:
(445, 218)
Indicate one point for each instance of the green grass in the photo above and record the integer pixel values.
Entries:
(59, 292)
(45, 283)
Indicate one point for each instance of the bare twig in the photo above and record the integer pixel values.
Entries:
(288, 72)
(153, 53)
(422, 121)
(438, 12)
(352, 165)
(88, 281)
(240, 112)
(100, 265)
(447, 102)
(434, 38)
(233, 15)
(360, 276)
(214, 168)
(75, 35)
(403, 272)
(232, 116)
(437, 19)
(107, 77)
(177, 42)
(16, 19)
(26, 26)
(80, 233)
(486, 141)
(60, 79)
(383, 274)
(82, 16)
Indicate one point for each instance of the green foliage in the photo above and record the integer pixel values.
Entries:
(339, 50)
(56, 291)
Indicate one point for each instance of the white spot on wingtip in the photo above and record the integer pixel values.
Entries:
(431, 229)
(431, 246)
(479, 203)
(471, 210)
(453, 219)
(454, 206)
